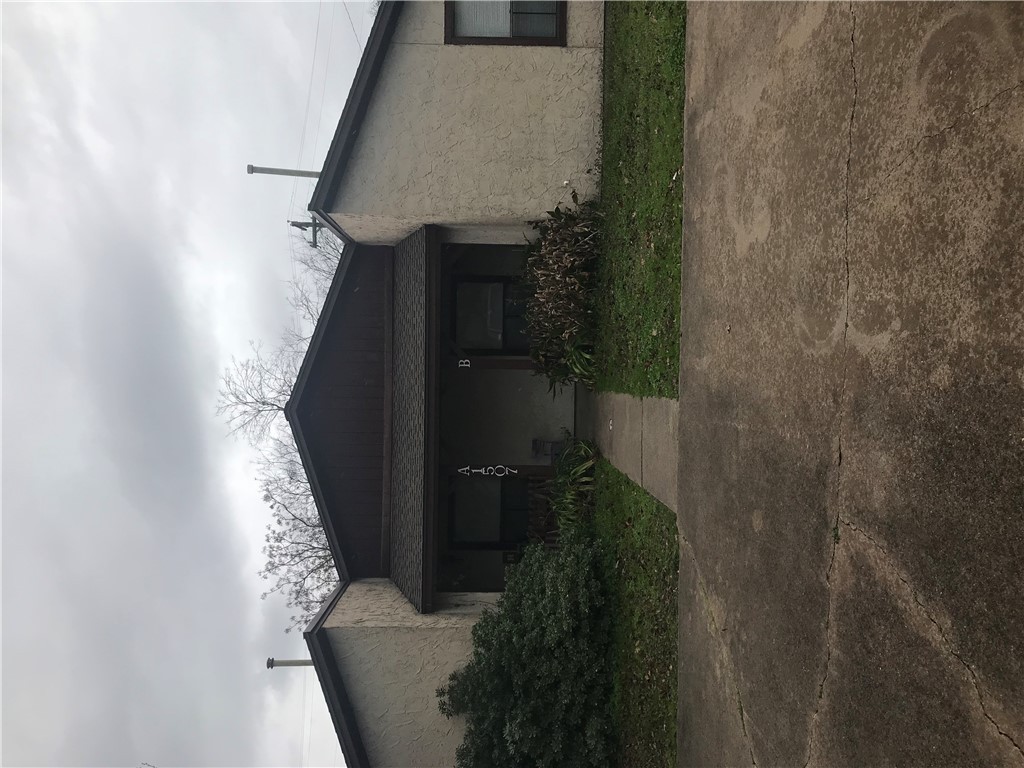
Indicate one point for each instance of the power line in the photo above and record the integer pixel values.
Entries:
(327, 72)
(309, 86)
(352, 23)
(302, 141)
(305, 114)
(323, 93)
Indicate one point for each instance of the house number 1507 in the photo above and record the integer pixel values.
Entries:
(497, 470)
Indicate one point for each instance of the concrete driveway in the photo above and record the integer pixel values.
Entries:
(851, 413)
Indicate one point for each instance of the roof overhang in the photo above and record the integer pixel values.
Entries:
(352, 115)
(333, 685)
(296, 424)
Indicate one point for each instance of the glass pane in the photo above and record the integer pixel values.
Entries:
(477, 510)
(533, 19)
(534, 6)
(516, 336)
(474, 18)
(479, 310)
(515, 509)
(517, 339)
(515, 493)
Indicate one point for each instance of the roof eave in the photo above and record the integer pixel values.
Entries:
(333, 685)
(290, 410)
(320, 329)
(318, 497)
(352, 115)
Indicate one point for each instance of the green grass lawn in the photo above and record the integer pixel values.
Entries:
(641, 562)
(641, 196)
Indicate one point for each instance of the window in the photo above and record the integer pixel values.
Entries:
(483, 22)
(488, 512)
(489, 318)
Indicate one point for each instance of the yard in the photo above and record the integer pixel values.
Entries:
(613, 589)
(637, 352)
(638, 537)
(637, 347)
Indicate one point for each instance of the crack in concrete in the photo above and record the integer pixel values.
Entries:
(839, 520)
(846, 327)
(945, 129)
(842, 390)
(950, 647)
(702, 587)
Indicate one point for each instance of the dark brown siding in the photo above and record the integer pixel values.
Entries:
(342, 413)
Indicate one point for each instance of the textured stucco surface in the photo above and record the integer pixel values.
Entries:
(379, 603)
(851, 445)
(392, 660)
(481, 136)
(408, 412)
(391, 675)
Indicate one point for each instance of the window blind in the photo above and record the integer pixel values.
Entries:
(518, 18)
(480, 18)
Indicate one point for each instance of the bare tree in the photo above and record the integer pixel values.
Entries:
(253, 395)
(319, 264)
(315, 272)
(255, 390)
(298, 559)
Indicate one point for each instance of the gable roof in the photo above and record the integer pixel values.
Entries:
(352, 115)
(290, 411)
(338, 414)
(359, 414)
(327, 670)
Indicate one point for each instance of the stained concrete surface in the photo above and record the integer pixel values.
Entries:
(618, 429)
(640, 437)
(660, 446)
(851, 457)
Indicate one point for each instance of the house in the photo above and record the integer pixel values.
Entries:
(421, 424)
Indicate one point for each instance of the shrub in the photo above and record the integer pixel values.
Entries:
(536, 690)
(560, 280)
(570, 493)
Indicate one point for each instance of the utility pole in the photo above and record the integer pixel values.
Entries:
(272, 662)
(251, 169)
(312, 224)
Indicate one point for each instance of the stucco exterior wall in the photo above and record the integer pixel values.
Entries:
(391, 675)
(392, 660)
(476, 138)
(379, 603)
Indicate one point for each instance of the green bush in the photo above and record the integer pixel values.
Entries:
(559, 278)
(537, 688)
(570, 493)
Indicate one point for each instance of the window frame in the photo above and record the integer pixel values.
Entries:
(559, 39)
(508, 283)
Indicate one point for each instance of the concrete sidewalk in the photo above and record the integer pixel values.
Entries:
(640, 436)
(852, 347)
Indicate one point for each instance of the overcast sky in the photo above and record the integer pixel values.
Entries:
(138, 257)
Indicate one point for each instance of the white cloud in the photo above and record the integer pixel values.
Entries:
(138, 257)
